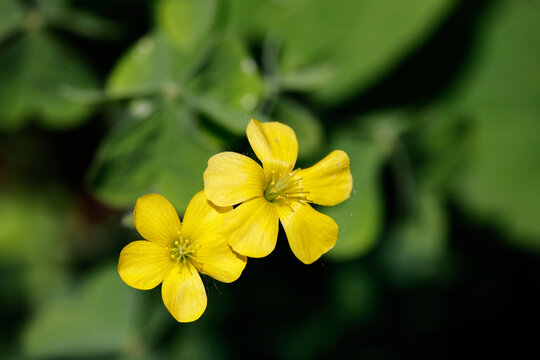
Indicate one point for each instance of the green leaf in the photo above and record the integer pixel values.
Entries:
(359, 218)
(219, 79)
(23, 214)
(59, 13)
(500, 94)
(153, 64)
(42, 79)
(11, 17)
(507, 49)
(438, 145)
(34, 224)
(187, 22)
(162, 152)
(229, 87)
(197, 343)
(417, 247)
(354, 42)
(354, 294)
(500, 181)
(307, 127)
(96, 320)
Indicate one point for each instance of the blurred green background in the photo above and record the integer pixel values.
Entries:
(437, 103)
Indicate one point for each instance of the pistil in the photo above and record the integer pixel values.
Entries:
(182, 250)
(284, 186)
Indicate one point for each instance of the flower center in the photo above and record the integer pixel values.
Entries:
(285, 187)
(182, 250)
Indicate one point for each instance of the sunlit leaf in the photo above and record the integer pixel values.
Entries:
(97, 319)
(359, 218)
(162, 152)
(42, 79)
(499, 93)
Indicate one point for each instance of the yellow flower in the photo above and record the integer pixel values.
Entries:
(175, 253)
(276, 193)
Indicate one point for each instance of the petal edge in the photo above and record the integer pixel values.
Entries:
(309, 232)
(231, 178)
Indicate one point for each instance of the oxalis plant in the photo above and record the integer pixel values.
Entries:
(375, 161)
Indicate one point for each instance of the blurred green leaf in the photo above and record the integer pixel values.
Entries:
(11, 16)
(354, 295)
(162, 152)
(307, 127)
(24, 213)
(354, 42)
(59, 13)
(229, 87)
(499, 93)
(188, 22)
(98, 319)
(438, 144)
(34, 225)
(220, 79)
(42, 79)
(359, 217)
(197, 343)
(416, 247)
(152, 65)
(501, 71)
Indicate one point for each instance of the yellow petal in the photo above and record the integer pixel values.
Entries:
(203, 224)
(252, 228)
(232, 178)
(218, 260)
(309, 232)
(156, 219)
(183, 293)
(275, 145)
(144, 265)
(328, 182)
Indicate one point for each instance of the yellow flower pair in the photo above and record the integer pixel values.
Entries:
(215, 239)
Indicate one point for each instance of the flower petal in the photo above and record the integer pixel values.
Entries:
(156, 219)
(183, 293)
(144, 264)
(203, 224)
(275, 145)
(232, 178)
(310, 233)
(252, 228)
(329, 181)
(218, 260)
